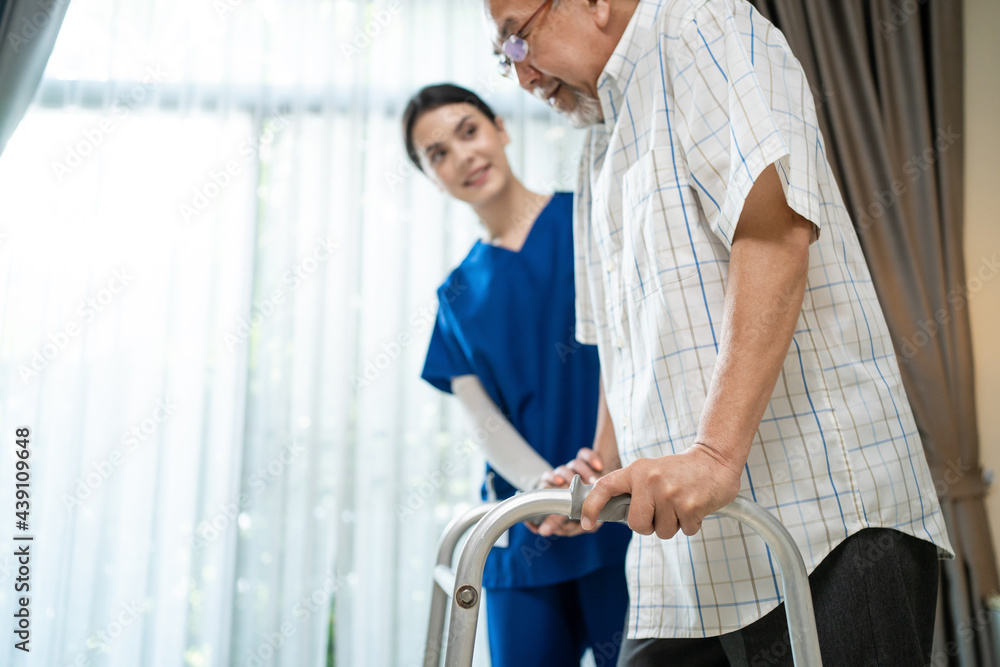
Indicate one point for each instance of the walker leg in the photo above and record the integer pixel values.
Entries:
(439, 594)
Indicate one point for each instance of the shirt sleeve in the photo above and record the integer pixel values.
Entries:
(445, 356)
(743, 103)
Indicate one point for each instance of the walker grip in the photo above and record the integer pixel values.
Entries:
(615, 510)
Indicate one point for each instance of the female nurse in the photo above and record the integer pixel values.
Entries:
(503, 343)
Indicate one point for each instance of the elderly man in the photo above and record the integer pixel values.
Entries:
(743, 349)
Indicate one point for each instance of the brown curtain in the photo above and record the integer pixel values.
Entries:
(887, 80)
(28, 30)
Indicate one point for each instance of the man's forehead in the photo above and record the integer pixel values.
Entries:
(504, 16)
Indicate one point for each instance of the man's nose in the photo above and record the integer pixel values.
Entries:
(527, 76)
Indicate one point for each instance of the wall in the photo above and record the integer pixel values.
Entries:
(982, 225)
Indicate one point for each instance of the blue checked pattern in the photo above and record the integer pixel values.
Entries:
(698, 98)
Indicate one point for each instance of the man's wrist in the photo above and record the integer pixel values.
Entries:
(731, 457)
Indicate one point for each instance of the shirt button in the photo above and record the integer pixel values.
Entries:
(610, 266)
(624, 422)
(620, 342)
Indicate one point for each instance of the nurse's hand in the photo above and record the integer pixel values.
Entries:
(670, 493)
(587, 464)
(556, 524)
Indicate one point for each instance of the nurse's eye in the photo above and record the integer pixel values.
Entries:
(436, 156)
(469, 131)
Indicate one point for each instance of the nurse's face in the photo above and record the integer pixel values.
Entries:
(463, 152)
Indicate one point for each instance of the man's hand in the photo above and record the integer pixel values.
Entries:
(668, 493)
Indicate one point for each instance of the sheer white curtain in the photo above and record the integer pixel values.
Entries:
(217, 278)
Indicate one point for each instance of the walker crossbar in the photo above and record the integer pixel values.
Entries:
(467, 592)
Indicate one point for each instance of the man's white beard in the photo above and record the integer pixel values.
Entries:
(587, 112)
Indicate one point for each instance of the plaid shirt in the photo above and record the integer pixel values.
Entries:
(699, 97)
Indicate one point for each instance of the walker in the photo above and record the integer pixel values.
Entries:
(464, 584)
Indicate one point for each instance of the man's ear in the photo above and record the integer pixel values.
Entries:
(601, 12)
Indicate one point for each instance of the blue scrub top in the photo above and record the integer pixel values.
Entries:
(509, 318)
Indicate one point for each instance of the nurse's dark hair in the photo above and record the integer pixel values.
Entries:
(433, 97)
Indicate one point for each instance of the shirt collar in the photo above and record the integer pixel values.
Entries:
(620, 67)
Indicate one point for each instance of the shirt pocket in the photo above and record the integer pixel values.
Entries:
(660, 216)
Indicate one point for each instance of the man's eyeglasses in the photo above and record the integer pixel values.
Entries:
(514, 49)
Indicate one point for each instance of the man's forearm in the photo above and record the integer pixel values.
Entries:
(605, 443)
(768, 268)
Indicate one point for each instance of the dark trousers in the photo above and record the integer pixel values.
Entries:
(875, 597)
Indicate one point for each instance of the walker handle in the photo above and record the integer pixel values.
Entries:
(616, 508)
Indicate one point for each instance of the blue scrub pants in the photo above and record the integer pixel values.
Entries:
(552, 626)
